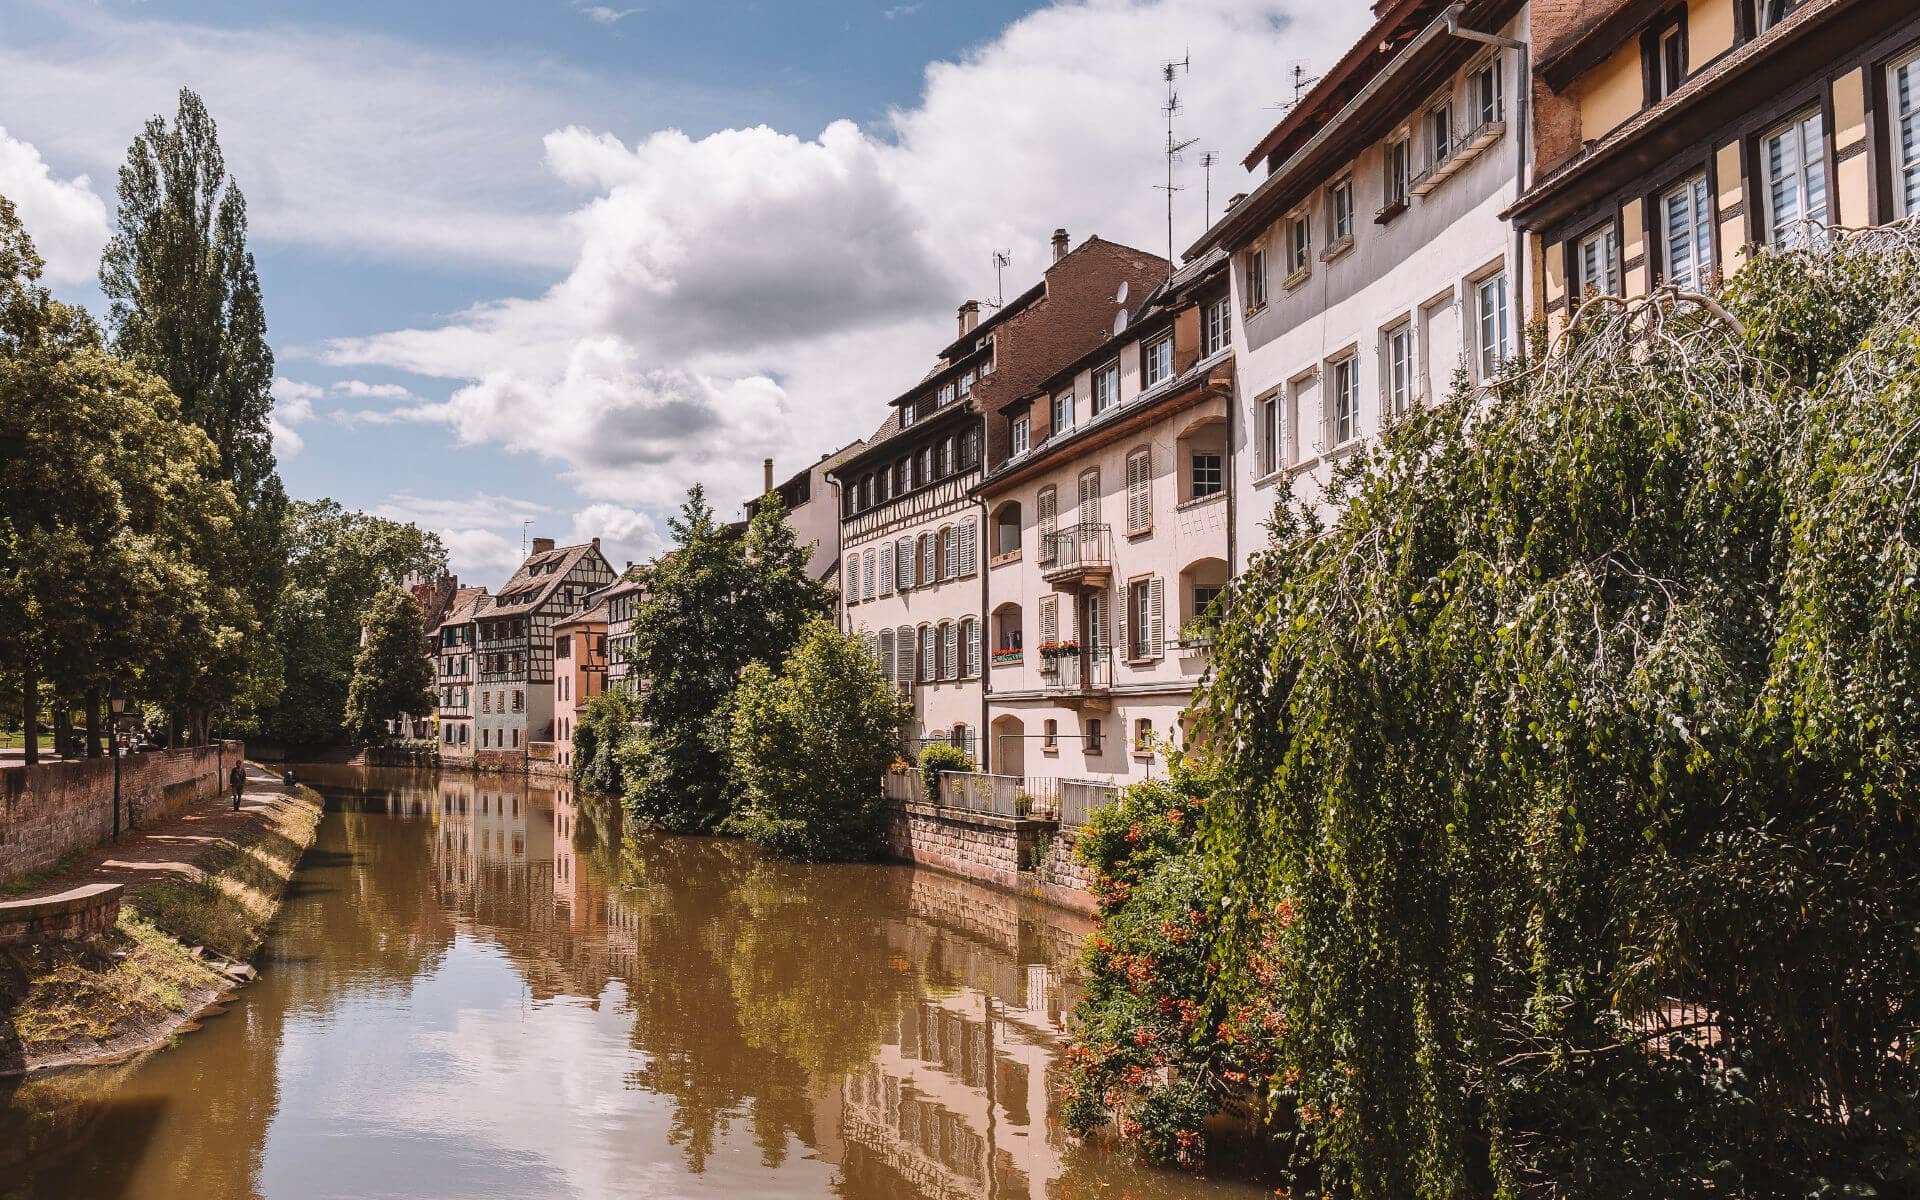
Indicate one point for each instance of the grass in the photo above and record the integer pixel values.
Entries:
(32, 880)
(140, 977)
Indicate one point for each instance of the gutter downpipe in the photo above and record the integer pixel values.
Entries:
(1522, 103)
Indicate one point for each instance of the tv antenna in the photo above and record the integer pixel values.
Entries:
(1169, 71)
(1001, 260)
(524, 526)
(1207, 159)
(1297, 74)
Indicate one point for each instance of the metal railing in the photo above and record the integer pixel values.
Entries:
(1087, 672)
(1079, 798)
(1078, 548)
(994, 795)
(907, 787)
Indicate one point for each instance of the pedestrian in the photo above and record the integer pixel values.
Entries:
(237, 779)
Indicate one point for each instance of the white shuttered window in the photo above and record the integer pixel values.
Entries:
(1139, 491)
(886, 570)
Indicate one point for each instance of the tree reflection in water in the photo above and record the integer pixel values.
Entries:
(786, 1029)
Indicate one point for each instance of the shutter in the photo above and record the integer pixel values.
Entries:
(903, 661)
(969, 546)
(929, 569)
(904, 549)
(1044, 510)
(866, 576)
(1126, 623)
(1139, 491)
(950, 653)
(1049, 620)
(968, 748)
(1157, 618)
(886, 570)
(853, 581)
(1088, 513)
(886, 652)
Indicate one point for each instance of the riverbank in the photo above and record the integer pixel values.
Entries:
(201, 889)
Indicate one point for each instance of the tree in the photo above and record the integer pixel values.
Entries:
(1579, 748)
(715, 604)
(809, 745)
(185, 305)
(115, 529)
(338, 561)
(392, 675)
(604, 740)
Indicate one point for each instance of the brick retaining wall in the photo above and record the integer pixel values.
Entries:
(51, 809)
(1033, 857)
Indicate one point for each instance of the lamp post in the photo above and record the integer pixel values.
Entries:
(117, 703)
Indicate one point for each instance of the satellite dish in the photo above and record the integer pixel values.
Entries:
(1121, 296)
(1120, 318)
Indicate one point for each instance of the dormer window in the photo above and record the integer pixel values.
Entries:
(1299, 246)
(1022, 435)
(1663, 51)
(1156, 365)
(1062, 414)
(1340, 211)
(1439, 133)
(906, 414)
(1106, 387)
(946, 393)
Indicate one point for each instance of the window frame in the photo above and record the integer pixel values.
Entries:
(1216, 327)
(1059, 405)
(1660, 76)
(1607, 233)
(1487, 92)
(1216, 475)
(1105, 377)
(1397, 375)
(1343, 400)
(1268, 416)
(1020, 435)
(1256, 279)
(1149, 359)
(1397, 176)
(1486, 360)
(1298, 232)
(1699, 195)
(1795, 128)
(1339, 212)
(1902, 158)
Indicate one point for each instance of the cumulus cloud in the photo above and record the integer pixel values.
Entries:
(754, 292)
(292, 405)
(65, 217)
(484, 532)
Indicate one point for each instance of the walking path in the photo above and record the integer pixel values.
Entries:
(166, 849)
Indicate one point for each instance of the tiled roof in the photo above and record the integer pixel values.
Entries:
(534, 582)
(466, 602)
(595, 614)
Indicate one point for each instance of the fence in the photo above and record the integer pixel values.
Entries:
(1078, 674)
(997, 795)
(1078, 798)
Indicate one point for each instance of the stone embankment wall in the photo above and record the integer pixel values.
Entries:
(1030, 856)
(50, 809)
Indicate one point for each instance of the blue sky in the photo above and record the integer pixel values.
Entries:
(554, 262)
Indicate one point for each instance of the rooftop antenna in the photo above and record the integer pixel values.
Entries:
(1297, 73)
(1169, 71)
(1001, 260)
(1207, 159)
(524, 526)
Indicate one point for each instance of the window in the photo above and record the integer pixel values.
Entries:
(1142, 736)
(1903, 91)
(486, 701)
(1664, 50)
(1208, 476)
(1686, 235)
(970, 448)
(1008, 631)
(866, 576)
(1299, 244)
(1399, 174)
(923, 466)
(902, 477)
(1143, 618)
(886, 570)
(969, 648)
(968, 548)
(1021, 433)
(1050, 734)
(1794, 157)
(1062, 414)
(1439, 123)
(1483, 93)
(929, 569)
(1045, 507)
(1340, 212)
(946, 393)
(906, 414)
(1093, 736)
(1105, 388)
(1598, 262)
(966, 383)
(903, 563)
(949, 651)
(1490, 314)
(1767, 14)
(949, 553)
(519, 700)
(1256, 282)
(929, 654)
(1397, 372)
(1343, 420)
(1216, 328)
(516, 739)
(853, 581)
(1268, 417)
(1156, 366)
(1203, 598)
(1139, 491)
(1006, 536)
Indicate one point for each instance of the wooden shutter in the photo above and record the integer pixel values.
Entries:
(1088, 512)
(969, 546)
(866, 576)
(1139, 491)
(1126, 622)
(886, 570)
(905, 551)
(853, 581)
(1157, 618)
(887, 667)
(948, 549)
(968, 747)
(950, 653)
(1049, 620)
(929, 570)
(903, 656)
(1045, 508)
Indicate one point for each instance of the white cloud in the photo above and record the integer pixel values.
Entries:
(755, 293)
(609, 16)
(361, 390)
(626, 535)
(292, 405)
(484, 532)
(65, 217)
(339, 139)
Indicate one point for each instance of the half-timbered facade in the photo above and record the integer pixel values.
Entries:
(454, 674)
(513, 648)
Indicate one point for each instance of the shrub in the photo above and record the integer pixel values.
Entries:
(608, 728)
(937, 758)
(809, 745)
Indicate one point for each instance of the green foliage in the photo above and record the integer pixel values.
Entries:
(338, 562)
(809, 746)
(716, 603)
(391, 676)
(606, 733)
(1575, 753)
(117, 536)
(185, 305)
(939, 757)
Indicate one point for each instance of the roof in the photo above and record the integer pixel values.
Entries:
(593, 614)
(537, 578)
(1387, 74)
(466, 602)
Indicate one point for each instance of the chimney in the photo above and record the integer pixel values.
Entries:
(969, 317)
(596, 543)
(766, 471)
(1059, 244)
(1234, 200)
(542, 545)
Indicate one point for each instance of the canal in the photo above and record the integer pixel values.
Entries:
(477, 988)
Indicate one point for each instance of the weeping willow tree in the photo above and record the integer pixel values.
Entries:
(1579, 748)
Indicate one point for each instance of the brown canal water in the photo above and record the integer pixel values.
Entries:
(478, 989)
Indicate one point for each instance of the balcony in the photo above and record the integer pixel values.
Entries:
(1083, 678)
(1078, 556)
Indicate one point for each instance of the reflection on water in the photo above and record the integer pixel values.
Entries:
(478, 988)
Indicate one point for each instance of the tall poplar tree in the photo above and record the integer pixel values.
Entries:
(185, 305)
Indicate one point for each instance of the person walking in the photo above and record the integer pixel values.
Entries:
(237, 779)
